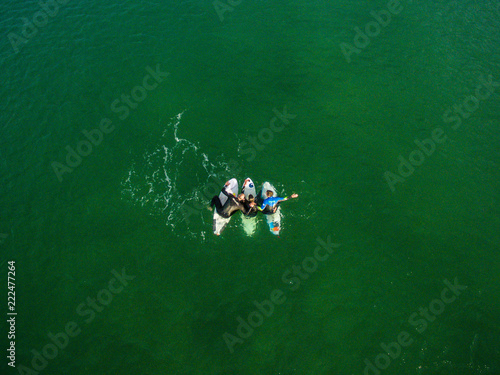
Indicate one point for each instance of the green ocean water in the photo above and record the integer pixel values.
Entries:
(135, 204)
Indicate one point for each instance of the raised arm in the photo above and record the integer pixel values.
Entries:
(224, 191)
(287, 198)
(282, 200)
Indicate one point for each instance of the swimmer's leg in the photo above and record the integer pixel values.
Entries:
(216, 202)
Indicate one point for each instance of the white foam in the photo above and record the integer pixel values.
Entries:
(152, 181)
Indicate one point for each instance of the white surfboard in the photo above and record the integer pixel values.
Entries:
(249, 223)
(219, 221)
(273, 220)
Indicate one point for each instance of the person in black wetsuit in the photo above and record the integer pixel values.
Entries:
(232, 205)
(250, 206)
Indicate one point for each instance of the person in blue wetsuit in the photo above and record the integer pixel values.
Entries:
(270, 204)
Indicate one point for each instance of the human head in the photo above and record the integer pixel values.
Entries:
(241, 197)
(269, 193)
(250, 198)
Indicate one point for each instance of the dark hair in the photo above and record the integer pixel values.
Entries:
(250, 197)
(269, 193)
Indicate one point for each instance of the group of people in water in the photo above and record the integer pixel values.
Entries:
(249, 207)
